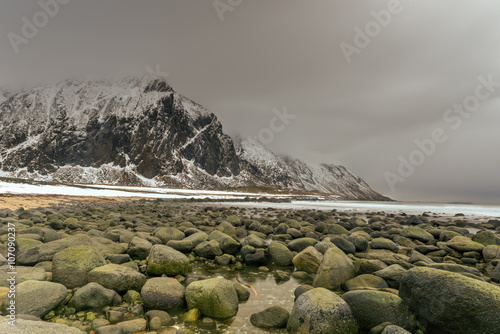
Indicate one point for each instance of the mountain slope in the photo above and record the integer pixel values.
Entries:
(142, 132)
(287, 172)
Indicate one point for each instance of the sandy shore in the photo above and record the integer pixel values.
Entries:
(29, 201)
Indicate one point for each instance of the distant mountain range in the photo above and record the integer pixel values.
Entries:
(139, 131)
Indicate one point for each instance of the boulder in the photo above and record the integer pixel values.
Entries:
(450, 302)
(163, 293)
(491, 252)
(280, 254)
(486, 238)
(139, 248)
(35, 327)
(272, 317)
(464, 244)
(23, 274)
(365, 281)
(72, 265)
(371, 308)
(298, 245)
(46, 251)
(308, 260)
(117, 277)
(164, 260)
(392, 275)
(215, 298)
(165, 234)
(208, 249)
(335, 269)
(383, 243)
(417, 233)
(320, 311)
(93, 297)
(226, 242)
(36, 298)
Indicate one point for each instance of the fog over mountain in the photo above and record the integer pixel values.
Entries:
(364, 111)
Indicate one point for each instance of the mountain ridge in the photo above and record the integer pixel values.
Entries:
(140, 131)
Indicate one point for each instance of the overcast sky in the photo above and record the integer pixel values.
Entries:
(242, 61)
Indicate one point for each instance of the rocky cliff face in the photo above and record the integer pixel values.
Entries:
(142, 132)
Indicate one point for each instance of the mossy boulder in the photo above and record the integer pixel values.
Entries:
(272, 317)
(450, 302)
(370, 308)
(335, 269)
(72, 265)
(308, 260)
(487, 238)
(320, 311)
(215, 298)
(36, 298)
(226, 242)
(464, 244)
(93, 296)
(163, 293)
(164, 260)
(280, 254)
(417, 233)
(117, 277)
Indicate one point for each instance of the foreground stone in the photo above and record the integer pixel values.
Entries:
(370, 308)
(273, 317)
(335, 269)
(72, 265)
(45, 252)
(321, 311)
(117, 277)
(163, 293)
(35, 327)
(215, 298)
(450, 302)
(164, 260)
(37, 298)
(93, 297)
(23, 274)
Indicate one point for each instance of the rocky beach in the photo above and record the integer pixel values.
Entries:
(181, 266)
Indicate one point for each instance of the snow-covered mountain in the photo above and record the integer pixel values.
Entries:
(4, 95)
(287, 172)
(139, 131)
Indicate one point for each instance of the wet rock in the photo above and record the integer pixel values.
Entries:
(417, 233)
(259, 257)
(392, 275)
(23, 274)
(183, 246)
(335, 269)
(208, 249)
(254, 241)
(370, 308)
(164, 260)
(94, 297)
(369, 266)
(226, 242)
(491, 252)
(393, 329)
(35, 327)
(215, 298)
(273, 317)
(298, 245)
(345, 245)
(165, 234)
(451, 303)
(464, 244)
(139, 248)
(117, 277)
(36, 297)
(131, 326)
(486, 238)
(280, 254)
(165, 318)
(46, 251)
(72, 265)
(321, 311)
(163, 293)
(301, 289)
(191, 316)
(308, 260)
(196, 238)
(363, 282)
(242, 292)
(383, 243)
